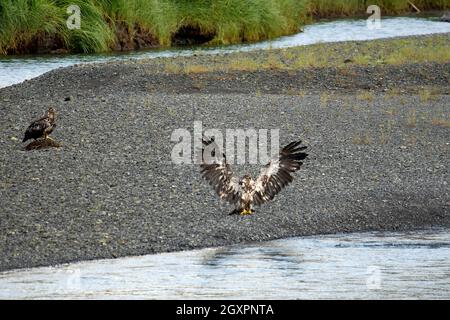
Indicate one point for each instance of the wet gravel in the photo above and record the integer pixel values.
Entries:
(379, 158)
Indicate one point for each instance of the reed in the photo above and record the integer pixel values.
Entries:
(347, 8)
(25, 24)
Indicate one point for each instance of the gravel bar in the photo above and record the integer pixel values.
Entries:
(378, 141)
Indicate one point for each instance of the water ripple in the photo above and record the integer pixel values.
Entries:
(378, 265)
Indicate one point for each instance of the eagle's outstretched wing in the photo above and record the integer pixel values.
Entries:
(277, 173)
(219, 174)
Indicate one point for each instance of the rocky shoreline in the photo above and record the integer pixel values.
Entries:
(377, 137)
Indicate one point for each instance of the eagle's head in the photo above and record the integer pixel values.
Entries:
(247, 182)
(51, 113)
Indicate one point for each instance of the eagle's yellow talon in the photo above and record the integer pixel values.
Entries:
(246, 212)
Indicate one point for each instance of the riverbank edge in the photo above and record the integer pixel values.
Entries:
(425, 228)
(268, 71)
(130, 37)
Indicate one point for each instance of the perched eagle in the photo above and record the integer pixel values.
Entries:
(246, 192)
(42, 127)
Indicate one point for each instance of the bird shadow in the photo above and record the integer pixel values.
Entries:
(42, 144)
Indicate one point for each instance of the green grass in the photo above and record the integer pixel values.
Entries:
(230, 21)
(434, 48)
(95, 34)
(346, 8)
(23, 22)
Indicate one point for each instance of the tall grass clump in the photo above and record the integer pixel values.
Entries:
(159, 17)
(26, 25)
(95, 34)
(22, 21)
(234, 21)
(225, 21)
(347, 8)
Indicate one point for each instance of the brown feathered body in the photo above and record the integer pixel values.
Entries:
(42, 127)
(247, 192)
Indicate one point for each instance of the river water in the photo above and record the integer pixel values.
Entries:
(17, 69)
(376, 265)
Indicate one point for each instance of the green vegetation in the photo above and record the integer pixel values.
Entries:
(434, 48)
(21, 21)
(28, 26)
(104, 23)
(346, 8)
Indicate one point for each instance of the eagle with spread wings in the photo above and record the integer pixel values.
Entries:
(245, 193)
(42, 127)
